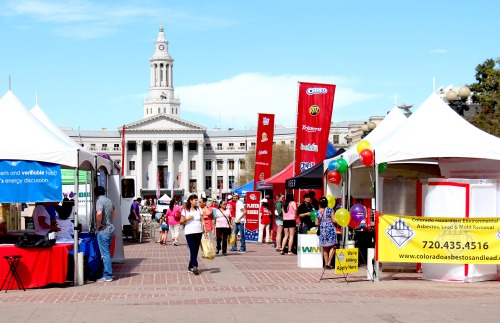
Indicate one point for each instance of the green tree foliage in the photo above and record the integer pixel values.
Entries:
(487, 95)
(282, 157)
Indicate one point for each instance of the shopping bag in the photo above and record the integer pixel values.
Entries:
(231, 240)
(208, 249)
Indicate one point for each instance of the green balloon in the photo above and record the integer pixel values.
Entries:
(341, 165)
(382, 167)
(314, 213)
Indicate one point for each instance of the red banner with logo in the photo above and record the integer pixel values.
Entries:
(264, 148)
(252, 201)
(313, 124)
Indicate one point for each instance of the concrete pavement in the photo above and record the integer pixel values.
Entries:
(153, 285)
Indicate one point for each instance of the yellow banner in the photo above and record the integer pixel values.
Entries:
(347, 261)
(438, 240)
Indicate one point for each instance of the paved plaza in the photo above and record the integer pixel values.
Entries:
(153, 285)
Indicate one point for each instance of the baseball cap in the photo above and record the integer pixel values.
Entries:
(263, 201)
(229, 197)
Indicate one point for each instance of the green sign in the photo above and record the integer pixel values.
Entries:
(68, 176)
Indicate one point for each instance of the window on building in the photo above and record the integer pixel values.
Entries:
(192, 165)
(92, 146)
(192, 186)
(193, 146)
(131, 146)
(104, 147)
(220, 164)
(159, 110)
(177, 146)
(208, 165)
(292, 142)
(231, 164)
(335, 139)
(231, 182)
(219, 146)
(146, 146)
(162, 146)
(252, 144)
(220, 182)
(242, 146)
(131, 165)
(208, 182)
(116, 147)
(208, 146)
(231, 146)
(242, 164)
(283, 142)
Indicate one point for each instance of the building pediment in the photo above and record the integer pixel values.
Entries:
(164, 122)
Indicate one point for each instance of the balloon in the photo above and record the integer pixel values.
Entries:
(314, 213)
(362, 145)
(332, 165)
(331, 201)
(382, 167)
(343, 217)
(353, 224)
(358, 212)
(341, 165)
(366, 157)
(334, 177)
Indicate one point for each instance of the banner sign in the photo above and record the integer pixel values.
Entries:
(314, 115)
(347, 261)
(438, 240)
(29, 181)
(252, 201)
(263, 148)
(68, 176)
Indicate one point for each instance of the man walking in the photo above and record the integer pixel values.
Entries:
(135, 218)
(105, 211)
(239, 223)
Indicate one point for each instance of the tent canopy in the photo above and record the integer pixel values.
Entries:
(278, 178)
(31, 140)
(164, 199)
(435, 130)
(242, 190)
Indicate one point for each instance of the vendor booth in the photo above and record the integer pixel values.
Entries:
(36, 143)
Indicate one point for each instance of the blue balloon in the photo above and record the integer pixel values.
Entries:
(332, 165)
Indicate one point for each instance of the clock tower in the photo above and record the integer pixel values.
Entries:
(161, 98)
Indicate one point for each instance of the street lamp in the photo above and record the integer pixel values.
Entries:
(458, 100)
(367, 128)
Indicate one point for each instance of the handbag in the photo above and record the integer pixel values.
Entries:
(231, 240)
(208, 249)
(318, 231)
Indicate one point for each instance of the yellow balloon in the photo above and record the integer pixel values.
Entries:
(343, 217)
(331, 201)
(362, 145)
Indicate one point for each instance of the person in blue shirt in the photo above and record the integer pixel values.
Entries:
(135, 218)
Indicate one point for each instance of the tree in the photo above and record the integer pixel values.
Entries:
(487, 95)
(282, 157)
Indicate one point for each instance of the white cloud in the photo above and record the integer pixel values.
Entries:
(244, 96)
(439, 51)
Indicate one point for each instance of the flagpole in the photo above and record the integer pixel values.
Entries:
(123, 151)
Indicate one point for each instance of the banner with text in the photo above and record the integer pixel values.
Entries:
(263, 148)
(252, 201)
(438, 240)
(314, 115)
(29, 181)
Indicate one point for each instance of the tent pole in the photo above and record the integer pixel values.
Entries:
(375, 206)
(76, 240)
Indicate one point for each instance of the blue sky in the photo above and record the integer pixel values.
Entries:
(89, 60)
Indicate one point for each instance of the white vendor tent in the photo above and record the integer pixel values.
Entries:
(165, 199)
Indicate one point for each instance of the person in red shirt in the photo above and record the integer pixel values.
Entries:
(231, 206)
(265, 221)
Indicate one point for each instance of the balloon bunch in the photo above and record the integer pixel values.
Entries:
(353, 218)
(365, 152)
(335, 170)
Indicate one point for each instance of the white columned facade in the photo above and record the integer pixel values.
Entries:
(153, 179)
(225, 178)
(124, 161)
(214, 177)
(200, 181)
(138, 168)
(170, 163)
(185, 166)
(237, 172)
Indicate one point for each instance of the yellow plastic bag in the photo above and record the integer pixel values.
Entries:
(208, 249)
(231, 240)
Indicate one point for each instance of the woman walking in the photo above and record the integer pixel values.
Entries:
(207, 215)
(327, 235)
(173, 218)
(278, 211)
(163, 228)
(223, 227)
(194, 228)
(289, 223)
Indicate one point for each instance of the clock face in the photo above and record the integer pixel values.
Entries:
(161, 47)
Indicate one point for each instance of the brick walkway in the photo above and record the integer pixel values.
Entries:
(154, 275)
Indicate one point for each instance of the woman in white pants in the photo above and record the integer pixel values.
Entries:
(174, 217)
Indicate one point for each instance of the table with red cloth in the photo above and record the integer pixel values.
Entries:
(38, 266)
